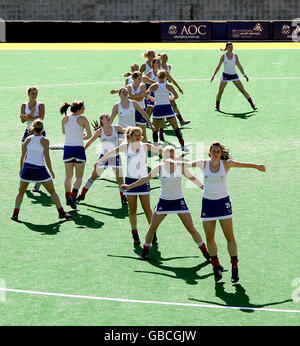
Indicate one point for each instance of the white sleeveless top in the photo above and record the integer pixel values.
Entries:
(162, 95)
(153, 76)
(126, 116)
(147, 69)
(171, 183)
(137, 92)
(215, 183)
(35, 151)
(229, 65)
(73, 131)
(36, 113)
(136, 162)
(108, 142)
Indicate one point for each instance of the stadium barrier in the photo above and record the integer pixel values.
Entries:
(151, 31)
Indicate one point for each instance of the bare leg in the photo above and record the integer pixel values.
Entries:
(209, 229)
(229, 235)
(145, 202)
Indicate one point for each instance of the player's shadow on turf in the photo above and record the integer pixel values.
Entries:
(120, 213)
(42, 198)
(188, 274)
(85, 221)
(245, 115)
(237, 299)
(50, 229)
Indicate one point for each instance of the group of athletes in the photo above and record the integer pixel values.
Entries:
(148, 92)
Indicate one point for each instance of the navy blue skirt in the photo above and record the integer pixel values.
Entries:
(139, 119)
(27, 134)
(229, 77)
(163, 111)
(174, 206)
(34, 173)
(216, 209)
(74, 154)
(140, 190)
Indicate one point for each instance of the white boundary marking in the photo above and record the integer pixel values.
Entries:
(121, 82)
(145, 301)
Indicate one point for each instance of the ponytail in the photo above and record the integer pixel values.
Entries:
(64, 107)
(37, 126)
(226, 47)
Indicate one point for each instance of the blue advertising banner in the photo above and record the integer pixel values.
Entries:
(247, 31)
(287, 30)
(186, 31)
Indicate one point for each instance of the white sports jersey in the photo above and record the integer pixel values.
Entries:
(161, 95)
(147, 69)
(214, 183)
(109, 142)
(136, 162)
(126, 115)
(35, 151)
(137, 92)
(73, 131)
(170, 183)
(36, 113)
(153, 76)
(229, 65)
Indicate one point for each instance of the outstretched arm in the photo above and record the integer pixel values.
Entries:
(92, 140)
(217, 68)
(112, 152)
(192, 178)
(153, 173)
(231, 163)
(238, 64)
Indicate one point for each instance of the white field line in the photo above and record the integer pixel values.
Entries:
(122, 82)
(145, 301)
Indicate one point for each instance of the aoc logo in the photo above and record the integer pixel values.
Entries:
(2, 30)
(286, 29)
(172, 30)
(258, 28)
(194, 30)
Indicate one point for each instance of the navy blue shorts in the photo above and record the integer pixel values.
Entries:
(229, 77)
(34, 174)
(174, 206)
(27, 134)
(216, 209)
(74, 154)
(139, 119)
(163, 112)
(140, 190)
(112, 162)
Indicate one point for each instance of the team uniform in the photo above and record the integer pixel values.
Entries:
(136, 169)
(162, 107)
(108, 143)
(139, 119)
(74, 147)
(171, 199)
(149, 103)
(229, 74)
(216, 203)
(126, 117)
(34, 169)
(29, 122)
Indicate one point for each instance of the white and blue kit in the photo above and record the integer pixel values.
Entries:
(29, 122)
(171, 199)
(108, 143)
(229, 74)
(126, 117)
(136, 169)
(162, 107)
(148, 102)
(34, 169)
(74, 148)
(139, 119)
(216, 203)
